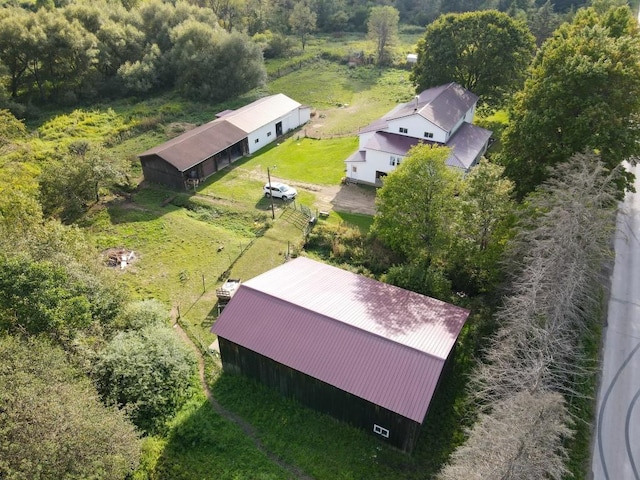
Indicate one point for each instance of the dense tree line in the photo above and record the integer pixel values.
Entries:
(59, 52)
(87, 51)
(582, 94)
(85, 372)
(536, 358)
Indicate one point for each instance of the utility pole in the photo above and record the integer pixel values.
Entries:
(273, 213)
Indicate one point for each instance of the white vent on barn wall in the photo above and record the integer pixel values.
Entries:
(380, 430)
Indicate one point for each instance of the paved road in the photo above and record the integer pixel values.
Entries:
(616, 452)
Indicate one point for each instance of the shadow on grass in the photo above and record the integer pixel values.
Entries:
(203, 445)
(328, 449)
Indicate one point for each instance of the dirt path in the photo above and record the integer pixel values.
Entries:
(247, 428)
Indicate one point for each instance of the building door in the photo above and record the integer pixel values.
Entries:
(278, 129)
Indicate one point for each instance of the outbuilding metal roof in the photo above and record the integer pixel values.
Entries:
(261, 112)
(376, 341)
(231, 127)
(195, 146)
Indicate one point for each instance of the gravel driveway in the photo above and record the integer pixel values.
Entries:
(341, 198)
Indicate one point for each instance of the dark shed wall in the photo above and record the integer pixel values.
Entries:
(157, 170)
(403, 432)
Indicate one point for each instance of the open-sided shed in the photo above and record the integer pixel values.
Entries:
(365, 352)
(199, 153)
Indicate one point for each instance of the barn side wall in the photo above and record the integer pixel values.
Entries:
(159, 171)
(403, 432)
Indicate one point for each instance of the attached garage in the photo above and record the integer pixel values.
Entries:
(365, 352)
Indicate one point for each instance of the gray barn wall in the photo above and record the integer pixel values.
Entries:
(403, 432)
(159, 171)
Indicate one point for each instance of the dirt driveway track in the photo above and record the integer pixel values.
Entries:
(341, 198)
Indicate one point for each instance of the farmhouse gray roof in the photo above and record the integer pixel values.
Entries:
(393, 143)
(231, 127)
(443, 106)
(376, 341)
(466, 144)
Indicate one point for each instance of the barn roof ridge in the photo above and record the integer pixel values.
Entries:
(341, 322)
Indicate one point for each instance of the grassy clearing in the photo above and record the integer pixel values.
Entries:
(363, 222)
(346, 99)
(204, 445)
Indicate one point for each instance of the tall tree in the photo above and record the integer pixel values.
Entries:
(40, 297)
(69, 184)
(382, 28)
(52, 422)
(481, 228)
(147, 372)
(543, 21)
(65, 55)
(16, 46)
(486, 52)
(302, 21)
(583, 94)
(414, 202)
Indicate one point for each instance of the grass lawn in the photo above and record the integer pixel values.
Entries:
(345, 99)
(201, 444)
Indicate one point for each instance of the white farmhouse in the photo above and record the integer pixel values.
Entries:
(437, 116)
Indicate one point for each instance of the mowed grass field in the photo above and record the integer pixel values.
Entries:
(187, 243)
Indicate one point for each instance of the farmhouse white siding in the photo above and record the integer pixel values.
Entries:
(417, 127)
(438, 116)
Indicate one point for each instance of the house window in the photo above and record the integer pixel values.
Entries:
(380, 431)
(257, 140)
(269, 134)
(392, 161)
(404, 130)
(354, 168)
(398, 160)
(428, 135)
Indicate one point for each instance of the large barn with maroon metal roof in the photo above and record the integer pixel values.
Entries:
(365, 352)
(199, 153)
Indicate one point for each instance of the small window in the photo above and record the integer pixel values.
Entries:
(404, 130)
(257, 140)
(428, 135)
(398, 160)
(269, 134)
(380, 431)
(354, 168)
(392, 161)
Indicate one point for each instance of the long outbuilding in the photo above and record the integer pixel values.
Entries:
(201, 152)
(365, 352)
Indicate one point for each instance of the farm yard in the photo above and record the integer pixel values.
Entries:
(159, 158)
(187, 243)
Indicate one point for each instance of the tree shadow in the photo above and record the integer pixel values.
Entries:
(202, 445)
